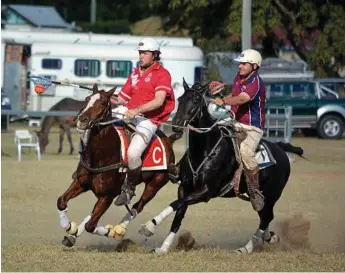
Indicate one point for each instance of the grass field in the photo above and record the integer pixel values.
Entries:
(31, 235)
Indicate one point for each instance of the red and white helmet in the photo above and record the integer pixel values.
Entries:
(249, 56)
(148, 44)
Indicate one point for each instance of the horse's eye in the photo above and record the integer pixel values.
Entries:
(196, 99)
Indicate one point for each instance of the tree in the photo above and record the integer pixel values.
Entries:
(216, 25)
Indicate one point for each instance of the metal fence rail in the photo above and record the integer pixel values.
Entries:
(278, 121)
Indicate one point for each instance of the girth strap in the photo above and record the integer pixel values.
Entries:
(102, 169)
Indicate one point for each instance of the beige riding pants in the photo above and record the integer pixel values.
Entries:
(138, 144)
(249, 145)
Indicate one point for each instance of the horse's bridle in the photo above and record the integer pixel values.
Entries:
(98, 120)
(199, 107)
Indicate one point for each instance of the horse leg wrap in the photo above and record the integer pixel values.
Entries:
(164, 214)
(254, 243)
(81, 227)
(167, 242)
(64, 222)
(102, 231)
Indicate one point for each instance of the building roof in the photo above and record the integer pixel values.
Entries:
(43, 16)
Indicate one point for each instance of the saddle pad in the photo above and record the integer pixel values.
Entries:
(264, 156)
(154, 157)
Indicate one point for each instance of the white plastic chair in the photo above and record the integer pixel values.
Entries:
(24, 139)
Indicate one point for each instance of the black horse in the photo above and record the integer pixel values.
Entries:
(209, 166)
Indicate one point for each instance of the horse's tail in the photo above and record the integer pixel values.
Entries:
(287, 147)
(175, 136)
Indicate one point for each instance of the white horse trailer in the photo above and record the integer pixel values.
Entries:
(86, 64)
(19, 43)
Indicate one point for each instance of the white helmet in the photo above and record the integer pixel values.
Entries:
(249, 56)
(148, 44)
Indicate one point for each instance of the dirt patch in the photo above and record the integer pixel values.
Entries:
(185, 241)
(127, 245)
(294, 233)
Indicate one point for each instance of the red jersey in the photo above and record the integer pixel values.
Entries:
(139, 90)
(252, 112)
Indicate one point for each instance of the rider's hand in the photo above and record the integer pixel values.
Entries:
(114, 100)
(132, 113)
(218, 101)
(216, 87)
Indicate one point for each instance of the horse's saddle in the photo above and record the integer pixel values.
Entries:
(154, 157)
(264, 156)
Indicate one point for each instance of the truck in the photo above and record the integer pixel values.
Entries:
(318, 104)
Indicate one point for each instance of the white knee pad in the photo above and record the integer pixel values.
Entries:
(134, 157)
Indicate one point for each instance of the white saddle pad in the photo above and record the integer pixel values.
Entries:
(264, 156)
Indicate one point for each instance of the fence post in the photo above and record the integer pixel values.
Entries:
(289, 124)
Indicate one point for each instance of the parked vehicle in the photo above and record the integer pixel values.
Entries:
(318, 104)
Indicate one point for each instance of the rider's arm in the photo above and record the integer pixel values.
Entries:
(242, 98)
(117, 100)
(157, 102)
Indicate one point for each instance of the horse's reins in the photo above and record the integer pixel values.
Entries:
(223, 135)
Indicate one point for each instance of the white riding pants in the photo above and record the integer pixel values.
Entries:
(137, 145)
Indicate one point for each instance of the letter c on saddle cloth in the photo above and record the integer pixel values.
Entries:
(154, 156)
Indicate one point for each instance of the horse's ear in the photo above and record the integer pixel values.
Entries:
(94, 88)
(185, 85)
(111, 92)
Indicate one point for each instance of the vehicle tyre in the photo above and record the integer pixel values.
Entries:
(330, 127)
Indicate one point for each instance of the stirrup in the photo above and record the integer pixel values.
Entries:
(243, 197)
(124, 198)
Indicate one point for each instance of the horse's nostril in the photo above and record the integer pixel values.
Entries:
(83, 119)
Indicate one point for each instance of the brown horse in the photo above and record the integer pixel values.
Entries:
(98, 170)
(66, 104)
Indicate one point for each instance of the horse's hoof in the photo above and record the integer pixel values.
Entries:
(69, 240)
(241, 250)
(72, 229)
(148, 229)
(159, 251)
(274, 239)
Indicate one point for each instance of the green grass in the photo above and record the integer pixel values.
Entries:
(31, 235)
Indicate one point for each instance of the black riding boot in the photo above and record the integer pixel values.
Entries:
(128, 188)
(174, 170)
